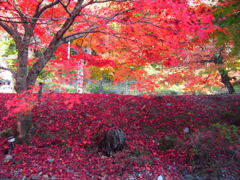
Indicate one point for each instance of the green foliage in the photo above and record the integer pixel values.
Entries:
(95, 88)
(173, 90)
(237, 88)
(228, 18)
(168, 92)
(229, 132)
(9, 52)
(102, 73)
(11, 47)
(136, 153)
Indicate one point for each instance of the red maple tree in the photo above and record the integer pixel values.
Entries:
(131, 33)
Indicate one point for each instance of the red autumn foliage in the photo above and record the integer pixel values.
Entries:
(125, 34)
(64, 141)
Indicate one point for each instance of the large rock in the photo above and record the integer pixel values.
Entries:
(112, 141)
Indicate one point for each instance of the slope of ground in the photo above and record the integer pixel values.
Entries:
(179, 137)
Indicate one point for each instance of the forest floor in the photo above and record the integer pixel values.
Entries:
(170, 136)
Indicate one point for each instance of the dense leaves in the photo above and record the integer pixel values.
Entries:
(130, 33)
(228, 18)
(64, 143)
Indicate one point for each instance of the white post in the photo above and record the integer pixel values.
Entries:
(80, 76)
(81, 71)
(69, 49)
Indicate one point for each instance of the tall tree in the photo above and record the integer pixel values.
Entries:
(138, 32)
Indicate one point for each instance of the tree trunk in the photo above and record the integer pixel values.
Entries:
(40, 92)
(25, 126)
(24, 119)
(218, 60)
(100, 86)
(226, 81)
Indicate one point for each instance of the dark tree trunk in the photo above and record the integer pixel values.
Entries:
(25, 126)
(24, 119)
(40, 92)
(23, 78)
(100, 86)
(218, 60)
(22, 69)
(226, 81)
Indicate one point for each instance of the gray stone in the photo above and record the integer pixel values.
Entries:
(157, 159)
(35, 177)
(130, 178)
(50, 160)
(186, 130)
(24, 178)
(53, 178)
(4, 178)
(45, 176)
(7, 158)
(188, 177)
(161, 177)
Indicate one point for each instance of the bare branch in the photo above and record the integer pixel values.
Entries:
(207, 61)
(38, 19)
(77, 9)
(21, 15)
(39, 11)
(119, 13)
(38, 6)
(65, 6)
(80, 34)
(11, 31)
(39, 65)
(104, 1)
(157, 26)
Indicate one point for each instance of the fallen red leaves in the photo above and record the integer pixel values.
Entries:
(63, 144)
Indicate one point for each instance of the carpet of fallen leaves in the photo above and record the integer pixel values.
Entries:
(166, 135)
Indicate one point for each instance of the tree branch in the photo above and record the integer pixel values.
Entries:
(21, 15)
(58, 39)
(119, 13)
(39, 65)
(207, 61)
(78, 35)
(44, 8)
(65, 6)
(39, 11)
(11, 31)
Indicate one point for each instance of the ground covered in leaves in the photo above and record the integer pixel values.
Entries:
(178, 137)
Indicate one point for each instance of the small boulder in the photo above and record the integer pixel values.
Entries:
(161, 177)
(112, 141)
(186, 130)
(50, 160)
(7, 158)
